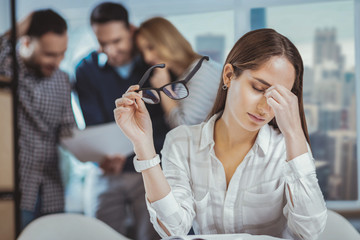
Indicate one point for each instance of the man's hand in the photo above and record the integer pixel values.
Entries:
(21, 27)
(113, 164)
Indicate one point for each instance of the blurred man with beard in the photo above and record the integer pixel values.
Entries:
(44, 110)
(115, 188)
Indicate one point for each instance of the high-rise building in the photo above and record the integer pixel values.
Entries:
(328, 68)
(349, 88)
(328, 91)
(343, 178)
(308, 90)
(334, 141)
(326, 48)
(312, 117)
(352, 114)
(330, 118)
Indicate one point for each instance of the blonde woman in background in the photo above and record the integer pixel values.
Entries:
(160, 42)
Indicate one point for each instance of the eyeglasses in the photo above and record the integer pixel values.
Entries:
(175, 90)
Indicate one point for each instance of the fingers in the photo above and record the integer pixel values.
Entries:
(127, 99)
(133, 88)
(275, 95)
(119, 112)
(123, 102)
(283, 91)
(273, 104)
(282, 95)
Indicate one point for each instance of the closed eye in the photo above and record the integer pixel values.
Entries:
(258, 89)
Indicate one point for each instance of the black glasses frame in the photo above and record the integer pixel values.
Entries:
(161, 89)
(184, 81)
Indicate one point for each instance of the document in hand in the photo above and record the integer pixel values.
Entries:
(95, 142)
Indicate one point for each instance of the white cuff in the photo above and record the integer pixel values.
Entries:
(301, 165)
(166, 206)
(146, 164)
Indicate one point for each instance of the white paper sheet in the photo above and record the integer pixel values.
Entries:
(239, 236)
(95, 142)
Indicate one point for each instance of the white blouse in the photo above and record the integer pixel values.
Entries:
(257, 200)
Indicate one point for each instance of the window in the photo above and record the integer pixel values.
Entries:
(326, 41)
(212, 35)
(326, 34)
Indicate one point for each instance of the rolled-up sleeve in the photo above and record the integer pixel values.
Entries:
(68, 119)
(305, 209)
(176, 210)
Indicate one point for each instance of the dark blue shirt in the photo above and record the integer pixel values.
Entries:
(98, 86)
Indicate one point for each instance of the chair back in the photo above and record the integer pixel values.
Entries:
(70, 227)
(337, 227)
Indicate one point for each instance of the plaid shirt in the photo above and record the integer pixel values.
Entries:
(44, 114)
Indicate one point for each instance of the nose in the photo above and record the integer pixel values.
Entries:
(109, 50)
(263, 107)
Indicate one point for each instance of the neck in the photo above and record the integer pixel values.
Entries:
(230, 134)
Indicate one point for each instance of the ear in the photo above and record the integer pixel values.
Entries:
(27, 46)
(25, 41)
(228, 74)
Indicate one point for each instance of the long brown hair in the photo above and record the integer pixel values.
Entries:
(251, 51)
(167, 41)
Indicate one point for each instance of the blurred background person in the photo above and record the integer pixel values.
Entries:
(44, 109)
(160, 42)
(115, 189)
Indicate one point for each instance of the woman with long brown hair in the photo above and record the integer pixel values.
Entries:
(249, 168)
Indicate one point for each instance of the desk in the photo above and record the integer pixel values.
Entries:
(240, 236)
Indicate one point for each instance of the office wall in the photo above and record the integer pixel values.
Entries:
(6, 142)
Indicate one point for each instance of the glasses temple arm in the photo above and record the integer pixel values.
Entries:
(147, 73)
(196, 68)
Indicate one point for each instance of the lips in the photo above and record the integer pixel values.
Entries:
(256, 118)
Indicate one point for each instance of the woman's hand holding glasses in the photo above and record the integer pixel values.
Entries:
(132, 116)
(134, 120)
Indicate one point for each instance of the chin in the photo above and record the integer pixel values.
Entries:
(253, 127)
(248, 125)
(116, 63)
(47, 73)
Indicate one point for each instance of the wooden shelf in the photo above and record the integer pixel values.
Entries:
(4, 79)
(6, 195)
(5, 82)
